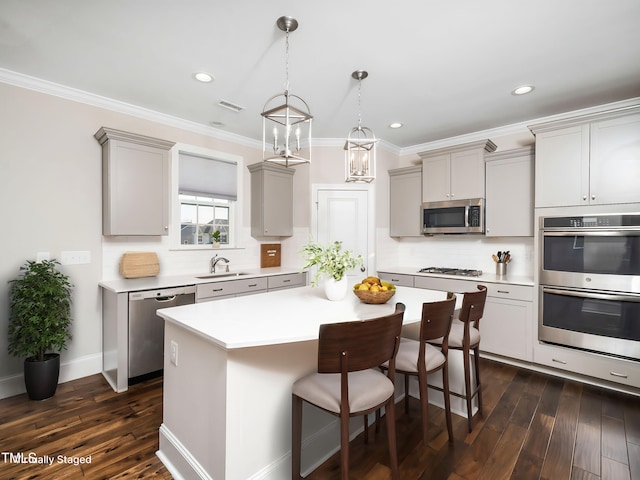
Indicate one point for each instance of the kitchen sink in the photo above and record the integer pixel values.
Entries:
(222, 275)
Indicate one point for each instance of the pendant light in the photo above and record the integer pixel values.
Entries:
(287, 124)
(360, 147)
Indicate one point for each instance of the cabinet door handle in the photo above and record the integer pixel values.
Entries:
(217, 289)
(252, 285)
(286, 281)
(503, 291)
(616, 374)
(593, 197)
(559, 361)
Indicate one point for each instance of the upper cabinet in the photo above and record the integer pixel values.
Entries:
(455, 173)
(271, 200)
(509, 205)
(405, 198)
(588, 160)
(135, 183)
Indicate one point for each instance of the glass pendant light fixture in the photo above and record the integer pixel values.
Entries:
(360, 147)
(286, 118)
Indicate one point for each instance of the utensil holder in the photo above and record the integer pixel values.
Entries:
(501, 269)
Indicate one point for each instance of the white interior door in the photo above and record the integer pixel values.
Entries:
(344, 215)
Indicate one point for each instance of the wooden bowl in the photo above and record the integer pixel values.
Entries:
(377, 298)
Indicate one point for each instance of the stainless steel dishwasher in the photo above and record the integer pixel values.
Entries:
(146, 328)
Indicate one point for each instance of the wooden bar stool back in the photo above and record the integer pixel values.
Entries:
(419, 359)
(465, 336)
(348, 382)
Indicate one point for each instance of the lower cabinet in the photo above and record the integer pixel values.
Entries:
(231, 288)
(398, 279)
(507, 323)
(290, 280)
(611, 369)
(207, 292)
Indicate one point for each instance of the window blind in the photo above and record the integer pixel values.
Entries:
(208, 177)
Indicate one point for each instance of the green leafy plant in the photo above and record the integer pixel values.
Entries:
(40, 303)
(216, 236)
(330, 260)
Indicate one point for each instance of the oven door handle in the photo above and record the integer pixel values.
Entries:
(627, 297)
(611, 232)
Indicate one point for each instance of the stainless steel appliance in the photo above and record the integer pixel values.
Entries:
(453, 216)
(146, 329)
(589, 276)
(462, 272)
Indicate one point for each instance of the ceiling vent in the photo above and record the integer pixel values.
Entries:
(230, 106)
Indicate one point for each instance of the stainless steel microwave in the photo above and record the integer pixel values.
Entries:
(453, 216)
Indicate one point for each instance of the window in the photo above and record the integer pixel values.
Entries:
(205, 193)
(200, 217)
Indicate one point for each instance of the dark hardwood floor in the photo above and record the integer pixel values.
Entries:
(534, 427)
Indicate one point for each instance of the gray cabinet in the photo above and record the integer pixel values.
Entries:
(135, 183)
(588, 160)
(271, 200)
(405, 198)
(206, 292)
(509, 201)
(289, 280)
(455, 173)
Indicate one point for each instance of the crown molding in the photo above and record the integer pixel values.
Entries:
(521, 127)
(80, 96)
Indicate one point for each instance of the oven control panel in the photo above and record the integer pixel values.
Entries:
(591, 221)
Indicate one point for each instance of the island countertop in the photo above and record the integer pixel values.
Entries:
(286, 316)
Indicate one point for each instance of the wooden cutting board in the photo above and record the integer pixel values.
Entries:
(139, 264)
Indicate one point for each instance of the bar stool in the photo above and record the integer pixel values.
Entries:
(420, 359)
(348, 382)
(465, 336)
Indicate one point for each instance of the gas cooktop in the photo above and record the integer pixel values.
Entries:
(462, 272)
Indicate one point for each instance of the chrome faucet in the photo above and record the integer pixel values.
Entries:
(214, 262)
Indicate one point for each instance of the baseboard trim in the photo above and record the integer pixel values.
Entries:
(77, 368)
(177, 459)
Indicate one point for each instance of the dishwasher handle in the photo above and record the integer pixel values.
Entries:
(162, 295)
(169, 298)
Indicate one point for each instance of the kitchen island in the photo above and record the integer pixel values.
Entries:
(228, 370)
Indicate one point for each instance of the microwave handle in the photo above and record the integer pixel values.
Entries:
(466, 216)
(629, 297)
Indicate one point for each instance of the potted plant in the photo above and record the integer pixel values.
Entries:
(215, 238)
(40, 316)
(334, 263)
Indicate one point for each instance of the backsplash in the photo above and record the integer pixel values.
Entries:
(179, 262)
(458, 251)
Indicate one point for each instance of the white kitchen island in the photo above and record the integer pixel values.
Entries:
(227, 397)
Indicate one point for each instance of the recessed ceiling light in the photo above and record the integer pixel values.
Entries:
(203, 77)
(395, 125)
(523, 90)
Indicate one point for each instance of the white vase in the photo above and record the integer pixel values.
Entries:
(336, 290)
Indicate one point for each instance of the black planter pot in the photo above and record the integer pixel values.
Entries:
(41, 378)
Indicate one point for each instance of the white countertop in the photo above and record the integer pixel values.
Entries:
(120, 285)
(294, 315)
(485, 277)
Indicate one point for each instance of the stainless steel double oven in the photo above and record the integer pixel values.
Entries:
(589, 277)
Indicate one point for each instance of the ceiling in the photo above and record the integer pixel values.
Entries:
(442, 68)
